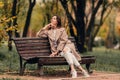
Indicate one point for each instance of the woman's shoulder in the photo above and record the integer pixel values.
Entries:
(61, 28)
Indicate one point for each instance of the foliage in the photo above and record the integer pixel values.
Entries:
(37, 19)
(103, 32)
(110, 27)
(3, 37)
(45, 9)
(6, 20)
(117, 29)
(4, 27)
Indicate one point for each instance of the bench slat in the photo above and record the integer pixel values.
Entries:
(33, 48)
(34, 51)
(33, 55)
(26, 41)
(61, 61)
(29, 45)
(29, 38)
(32, 43)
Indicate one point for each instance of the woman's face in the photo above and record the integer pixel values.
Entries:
(54, 20)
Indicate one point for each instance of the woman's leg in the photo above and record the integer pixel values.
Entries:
(69, 60)
(73, 71)
(75, 61)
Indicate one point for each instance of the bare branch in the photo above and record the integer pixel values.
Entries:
(107, 14)
(73, 5)
(65, 6)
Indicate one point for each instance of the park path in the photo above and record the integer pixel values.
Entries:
(94, 76)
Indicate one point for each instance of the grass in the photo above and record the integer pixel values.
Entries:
(106, 60)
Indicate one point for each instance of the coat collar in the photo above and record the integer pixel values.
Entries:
(58, 33)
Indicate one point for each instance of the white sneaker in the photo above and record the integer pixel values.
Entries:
(85, 74)
(74, 74)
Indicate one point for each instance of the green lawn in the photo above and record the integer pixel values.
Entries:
(106, 60)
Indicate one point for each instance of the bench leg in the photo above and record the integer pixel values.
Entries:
(40, 69)
(69, 69)
(88, 68)
(22, 67)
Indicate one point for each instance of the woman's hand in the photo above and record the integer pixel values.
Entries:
(53, 54)
(48, 26)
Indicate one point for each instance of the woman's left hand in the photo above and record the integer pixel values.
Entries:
(53, 54)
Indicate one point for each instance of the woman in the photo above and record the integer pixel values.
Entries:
(60, 45)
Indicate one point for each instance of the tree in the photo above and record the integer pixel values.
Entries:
(29, 13)
(14, 13)
(7, 21)
(9, 16)
(12, 23)
(102, 9)
(84, 19)
(78, 22)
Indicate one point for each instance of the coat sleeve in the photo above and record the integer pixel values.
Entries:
(62, 40)
(42, 33)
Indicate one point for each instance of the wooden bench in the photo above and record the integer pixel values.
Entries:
(37, 50)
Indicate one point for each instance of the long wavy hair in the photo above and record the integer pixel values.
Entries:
(58, 20)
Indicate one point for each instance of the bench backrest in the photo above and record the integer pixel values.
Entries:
(34, 47)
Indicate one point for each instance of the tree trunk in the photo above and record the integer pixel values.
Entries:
(10, 36)
(80, 13)
(90, 43)
(13, 24)
(29, 13)
(15, 14)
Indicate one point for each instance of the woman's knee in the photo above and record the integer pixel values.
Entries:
(66, 50)
(77, 65)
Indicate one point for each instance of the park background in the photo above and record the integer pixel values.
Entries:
(95, 24)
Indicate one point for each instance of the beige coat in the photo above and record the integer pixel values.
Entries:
(61, 38)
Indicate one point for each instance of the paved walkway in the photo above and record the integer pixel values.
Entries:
(94, 76)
